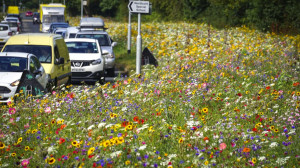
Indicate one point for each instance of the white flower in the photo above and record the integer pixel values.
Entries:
(90, 127)
(115, 154)
(101, 125)
(172, 156)
(261, 158)
(51, 150)
(143, 147)
(281, 161)
(273, 144)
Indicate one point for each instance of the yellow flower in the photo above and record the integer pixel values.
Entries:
(170, 166)
(127, 162)
(205, 110)
(253, 160)
(27, 148)
(34, 131)
(2, 145)
(74, 143)
(276, 130)
(166, 154)
(180, 140)
(206, 163)
(20, 140)
(51, 161)
(13, 154)
(91, 150)
(158, 157)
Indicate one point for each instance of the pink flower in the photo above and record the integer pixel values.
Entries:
(12, 111)
(26, 126)
(25, 163)
(125, 82)
(223, 146)
(48, 110)
(11, 120)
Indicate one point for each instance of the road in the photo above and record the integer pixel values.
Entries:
(29, 27)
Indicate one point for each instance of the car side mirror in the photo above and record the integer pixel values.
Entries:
(114, 44)
(60, 61)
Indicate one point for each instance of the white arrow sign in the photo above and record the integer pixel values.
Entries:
(139, 7)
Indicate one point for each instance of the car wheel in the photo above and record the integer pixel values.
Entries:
(111, 72)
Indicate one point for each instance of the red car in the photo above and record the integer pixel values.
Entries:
(29, 13)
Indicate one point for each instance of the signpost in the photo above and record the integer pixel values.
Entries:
(139, 7)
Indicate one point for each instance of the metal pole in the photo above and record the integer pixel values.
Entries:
(129, 33)
(139, 47)
(81, 8)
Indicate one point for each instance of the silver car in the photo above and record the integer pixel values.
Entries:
(94, 28)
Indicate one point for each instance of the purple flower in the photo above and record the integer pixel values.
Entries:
(146, 156)
(77, 158)
(155, 165)
(145, 164)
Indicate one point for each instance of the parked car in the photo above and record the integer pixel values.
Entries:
(95, 28)
(56, 25)
(50, 49)
(29, 13)
(13, 15)
(14, 27)
(87, 62)
(12, 65)
(36, 18)
(5, 34)
(71, 32)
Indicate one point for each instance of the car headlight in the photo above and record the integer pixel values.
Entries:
(98, 61)
(15, 83)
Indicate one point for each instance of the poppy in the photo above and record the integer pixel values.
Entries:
(205, 139)
(61, 140)
(246, 150)
(136, 119)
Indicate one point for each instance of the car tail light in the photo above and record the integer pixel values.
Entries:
(10, 33)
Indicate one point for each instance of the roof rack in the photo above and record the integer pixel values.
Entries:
(92, 23)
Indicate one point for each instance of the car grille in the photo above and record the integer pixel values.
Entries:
(80, 63)
(4, 89)
(81, 74)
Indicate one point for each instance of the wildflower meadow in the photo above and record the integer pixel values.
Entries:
(218, 98)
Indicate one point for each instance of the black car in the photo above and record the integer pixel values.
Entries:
(36, 18)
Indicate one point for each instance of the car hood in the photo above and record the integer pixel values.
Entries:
(9, 77)
(83, 56)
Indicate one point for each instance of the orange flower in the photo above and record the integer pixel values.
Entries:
(246, 150)
(205, 138)
(136, 119)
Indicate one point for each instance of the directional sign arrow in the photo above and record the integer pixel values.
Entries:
(139, 7)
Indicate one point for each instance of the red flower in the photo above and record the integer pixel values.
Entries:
(237, 67)
(136, 119)
(296, 84)
(254, 129)
(61, 140)
(90, 156)
(239, 94)
(268, 87)
(124, 124)
(141, 121)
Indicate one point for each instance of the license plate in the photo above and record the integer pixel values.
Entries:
(77, 70)
(1, 39)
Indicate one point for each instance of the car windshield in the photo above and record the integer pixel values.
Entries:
(12, 24)
(102, 38)
(72, 35)
(13, 64)
(42, 52)
(82, 47)
(53, 18)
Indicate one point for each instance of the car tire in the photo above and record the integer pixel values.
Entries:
(111, 72)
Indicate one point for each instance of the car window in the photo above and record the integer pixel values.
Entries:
(72, 35)
(42, 52)
(12, 64)
(36, 62)
(3, 28)
(102, 38)
(82, 47)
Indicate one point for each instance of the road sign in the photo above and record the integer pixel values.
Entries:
(139, 7)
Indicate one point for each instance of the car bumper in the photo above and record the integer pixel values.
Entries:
(7, 92)
(87, 76)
